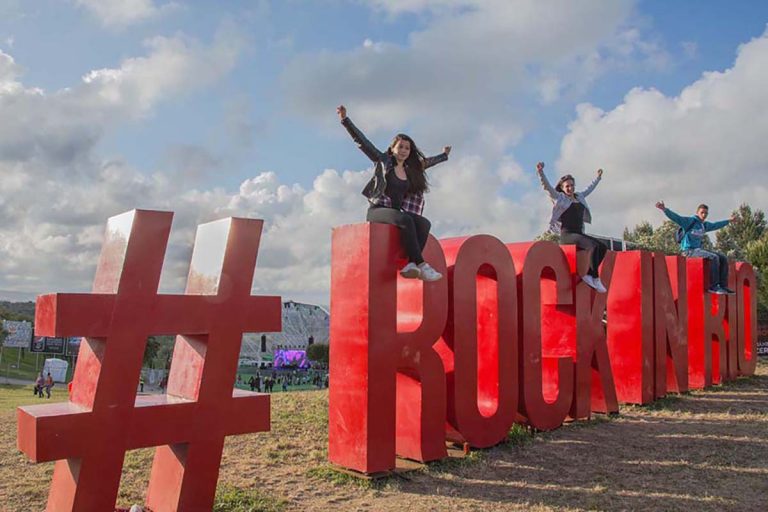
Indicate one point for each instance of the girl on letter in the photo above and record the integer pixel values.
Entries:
(569, 213)
(396, 193)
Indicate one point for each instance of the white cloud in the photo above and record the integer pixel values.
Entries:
(413, 6)
(475, 59)
(9, 72)
(705, 145)
(63, 126)
(56, 192)
(122, 13)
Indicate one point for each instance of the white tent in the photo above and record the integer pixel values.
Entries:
(57, 368)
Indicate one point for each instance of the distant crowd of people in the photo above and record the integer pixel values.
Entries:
(284, 380)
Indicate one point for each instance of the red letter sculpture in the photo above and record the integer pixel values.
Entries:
(746, 292)
(699, 352)
(732, 327)
(403, 378)
(671, 324)
(630, 326)
(387, 384)
(546, 361)
(483, 338)
(595, 390)
(89, 435)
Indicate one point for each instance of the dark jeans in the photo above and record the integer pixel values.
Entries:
(596, 247)
(718, 265)
(414, 229)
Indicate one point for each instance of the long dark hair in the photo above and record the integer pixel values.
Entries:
(414, 165)
(559, 186)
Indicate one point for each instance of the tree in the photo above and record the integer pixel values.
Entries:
(661, 239)
(748, 226)
(756, 253)
(150, 352)
(160, 353)
(318, 352)
(744, 239)
(548, 236)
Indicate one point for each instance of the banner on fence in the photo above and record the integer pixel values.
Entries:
(19, 333)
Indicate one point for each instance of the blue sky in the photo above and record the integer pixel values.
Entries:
(228, 108)
(56, 43)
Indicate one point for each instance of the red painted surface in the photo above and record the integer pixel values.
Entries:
(89, 435)
(548, 349)
(481, 358)
(630, 327)
(387, 391)
(671, 324)
(714, 334)
(699, 346)
(731, 327)
(746, 293)
(595, 389)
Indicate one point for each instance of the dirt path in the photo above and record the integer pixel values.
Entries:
(704, 451)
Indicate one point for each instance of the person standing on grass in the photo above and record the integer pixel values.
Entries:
(694, 229)
(396, 193)
(48, 385)
(570, 212)
(39, 383)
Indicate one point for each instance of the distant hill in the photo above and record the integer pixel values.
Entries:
(17, 310)
(13, 296)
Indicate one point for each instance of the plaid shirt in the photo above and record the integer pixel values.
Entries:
(375, 189)
(412, 203)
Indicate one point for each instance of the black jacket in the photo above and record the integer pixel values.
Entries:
(384, 161)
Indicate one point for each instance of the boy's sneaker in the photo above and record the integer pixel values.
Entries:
(599, 286)
(428, 273)
(411, 271)
(727, 290)
(717, 289)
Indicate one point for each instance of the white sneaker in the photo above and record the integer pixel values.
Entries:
(428, 273)
(589, 280)
(599, 286)
(411, 271)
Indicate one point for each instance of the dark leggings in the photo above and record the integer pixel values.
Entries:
(414, 229)
(588, 243)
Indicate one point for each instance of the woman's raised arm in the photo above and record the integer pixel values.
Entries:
(361, 140)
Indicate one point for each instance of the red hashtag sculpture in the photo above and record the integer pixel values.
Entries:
(89, 435)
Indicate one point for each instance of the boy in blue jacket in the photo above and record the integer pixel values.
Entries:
(694, 229)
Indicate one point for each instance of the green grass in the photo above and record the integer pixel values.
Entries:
(12, 397)
(330, 474)
(667, 403)
(519, 435)
(450, 464)
(25, 367)
(234, 499)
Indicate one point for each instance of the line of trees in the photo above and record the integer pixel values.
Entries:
(745, 239)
